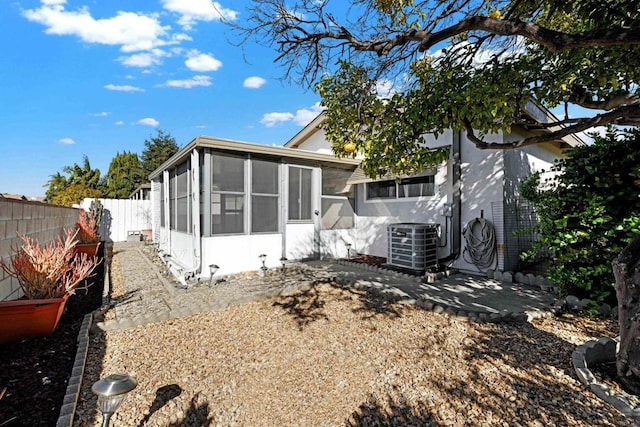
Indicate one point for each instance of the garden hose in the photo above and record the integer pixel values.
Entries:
(480, 250)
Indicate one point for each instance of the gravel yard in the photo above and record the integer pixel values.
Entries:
(331, 356)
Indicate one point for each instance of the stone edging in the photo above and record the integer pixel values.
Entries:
(439, 308)
(65, 419)
(526, 279)
(593, 352)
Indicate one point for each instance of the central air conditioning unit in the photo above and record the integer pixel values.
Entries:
(413, 246)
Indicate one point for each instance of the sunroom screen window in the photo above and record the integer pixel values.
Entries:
(299, 194)
(182, 197)
(227, 194)
(264, 197)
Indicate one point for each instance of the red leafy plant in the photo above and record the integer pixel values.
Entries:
(87, 226)
(49, 271)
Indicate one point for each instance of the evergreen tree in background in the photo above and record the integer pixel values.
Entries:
(124, 175)
(156, 151)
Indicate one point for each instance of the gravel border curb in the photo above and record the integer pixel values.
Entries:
(70, 400)
(439, 308)
(599, 351)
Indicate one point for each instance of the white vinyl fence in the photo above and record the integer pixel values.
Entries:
(123, 217)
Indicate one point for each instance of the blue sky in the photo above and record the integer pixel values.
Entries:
(98, 77)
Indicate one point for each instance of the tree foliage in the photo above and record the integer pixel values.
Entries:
(156, 151)
(471, 66)
(78, 182)
(589, 212)
(73, 194)
(124, 175)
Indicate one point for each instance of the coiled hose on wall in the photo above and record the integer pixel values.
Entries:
(480, 249)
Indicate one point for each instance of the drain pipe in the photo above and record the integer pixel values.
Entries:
(456, 208)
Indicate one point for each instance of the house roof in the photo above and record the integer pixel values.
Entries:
(251, 148)
(536, 112)
(143, 186)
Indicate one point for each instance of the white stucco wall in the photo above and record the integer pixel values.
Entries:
(482, 183)
(237, 253)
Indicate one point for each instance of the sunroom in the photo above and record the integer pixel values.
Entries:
(225, 203)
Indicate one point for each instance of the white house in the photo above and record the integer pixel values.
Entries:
(226, 202)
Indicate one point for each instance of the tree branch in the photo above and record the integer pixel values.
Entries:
(620, 116)
(555, 41)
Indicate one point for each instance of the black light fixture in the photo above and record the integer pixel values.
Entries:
(348, 245)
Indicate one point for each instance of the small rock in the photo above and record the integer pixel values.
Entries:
(605, 310)
(572, 302)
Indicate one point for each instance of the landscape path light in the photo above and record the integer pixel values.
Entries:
(111, 392)
(263, 258)
(213, 268)
(348, 245)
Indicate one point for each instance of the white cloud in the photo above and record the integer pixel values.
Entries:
(385, 89)
(191, 11)
(66, 141)
(119, 123)
(148, 121)
(200, 126)
(144, 59)
(254, 82)
(272, 119)
(302, 117)
(189, 83)
(101, 114)
(129, 30)
(123, 88)
(201, 62)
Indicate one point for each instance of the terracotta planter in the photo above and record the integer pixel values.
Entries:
(24, 318)
(90, 249)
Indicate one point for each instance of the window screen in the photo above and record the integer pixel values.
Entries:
(299, 194)
(162, 196)
(172, 199)
(227, 194)
(182, 197)
(264, 197)
(381, 190)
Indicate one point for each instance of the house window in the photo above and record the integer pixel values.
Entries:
(172, 199)
(182, 197)
(299, 194)
(420, 186)
(162, 196)
(227, 194)
(264, 196)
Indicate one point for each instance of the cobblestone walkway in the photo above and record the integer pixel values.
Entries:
(149, 297)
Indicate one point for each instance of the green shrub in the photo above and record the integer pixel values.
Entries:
(588, 212)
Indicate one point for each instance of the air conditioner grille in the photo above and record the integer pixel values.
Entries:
(412, 245)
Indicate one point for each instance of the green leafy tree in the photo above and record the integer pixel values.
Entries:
(589, 212)
(470, 66)
(81, 177)
(73, 194)
(124, 175)
(156, 151)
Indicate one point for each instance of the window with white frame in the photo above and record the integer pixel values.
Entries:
(419, 186)
(227, 194)
(162, 196)
(338, 200)
(299, 194)
(182, 198)
(172, 199)
(264, 196)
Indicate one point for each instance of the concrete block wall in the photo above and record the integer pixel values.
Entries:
(37, 220)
